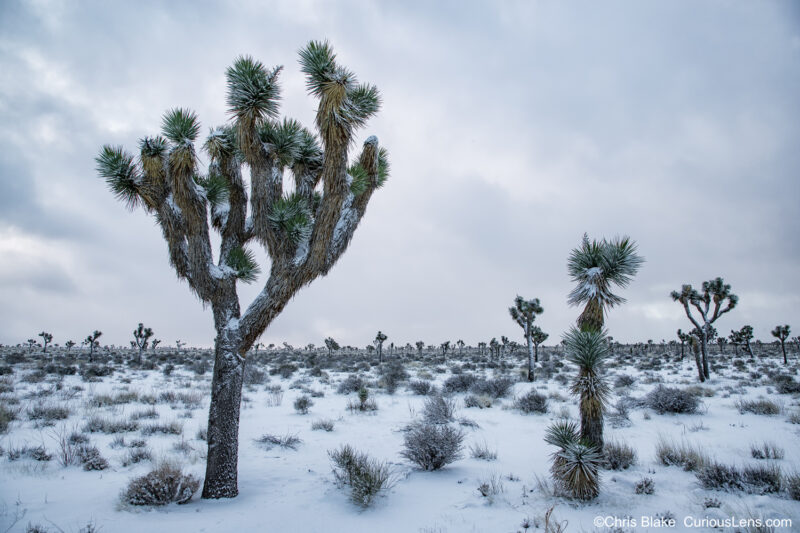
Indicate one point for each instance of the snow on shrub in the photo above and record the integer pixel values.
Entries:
(163, 485)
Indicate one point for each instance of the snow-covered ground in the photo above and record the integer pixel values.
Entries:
(286, 490)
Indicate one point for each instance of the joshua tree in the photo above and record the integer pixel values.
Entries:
(445, 346)
(576, 465)
(781, 333)
(93, 343)
(31, 344)
(331, 345)
(46, 339)
(481, 347)
(69, 345)
(684, 338)
(494, 346)
(141, 337)
(505, 342)
(154, 344)
(596, 266)
(746, 335)
(179, 344)
(378, 342)
(460, 343)
(715, 291)
(420, 345)
(721, 343)
(537, 337)
(524, 313)
(304, 232)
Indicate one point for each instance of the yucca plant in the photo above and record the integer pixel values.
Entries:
(781, 333)
(576, 464)
(596, 266)
(588, 350)
(304, 232)
(141, 339)
(715, 292)
(524, 313)
(380, 337)
(92, 342)
(47, 338)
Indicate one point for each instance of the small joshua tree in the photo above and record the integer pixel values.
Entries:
(154, 344)
(460, 343)
(537, 337)
(379, 340)
(576, 465)
(494, 347)
(445, 346)
(524, 313)
(596, 266)
(721, 341)
(304, 232)
(93, 343)
(31, 344)
(782, 333)
(46, 339)
(714, 292)
(420, 345)
(481, 348)
(331, 345)
(69, 345)
(684, 338)
(141, 338)
(746, 335)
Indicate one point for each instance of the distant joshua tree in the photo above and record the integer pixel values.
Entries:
(460, 343)
(31, 344)
(721, 341)
(595, 266)
(379, 339)
(141, 338)
(420, 345)
(46, 339)
(69, 345)
(481, 348)
(684, 338)
(714, 292)
(154, 344)
(331, 345)
(524, 313)
(92, 342)
(494, 346)
(538, 337)
(782, 333)
(743, 336)
(304, 232)
(445, 346)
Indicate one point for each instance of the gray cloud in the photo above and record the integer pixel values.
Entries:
(513, 127)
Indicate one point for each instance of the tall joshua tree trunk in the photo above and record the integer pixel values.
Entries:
(304, 233)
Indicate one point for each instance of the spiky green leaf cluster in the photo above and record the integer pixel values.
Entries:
(578, 469)
(180, 126)
(283, 139)
(253, 91)
(561, 433)
(361, 181)
(291, 218)
(121, 175)
(215, 187)
(587, 349)
(221, 143)
(596, 265)
(243, 262)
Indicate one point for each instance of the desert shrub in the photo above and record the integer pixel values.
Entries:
(439, 410)
(786, 384)
(619, 416)
(76, 438)
(422, 387)
(646, 485)
(163, 485)
(481, 402)
(164, 428)
(200, 367)
(482, 451)
(269, 441)
(92, 372)
(254, 375)
(136, 456)
(302, 404)
(6, 370)
(531, 402)
(274, 395)
(671, 400)
(90, 458)
(323, 425)
(762, 478)
(684, 454)
(392, 374)
(284, 370)
(48, 413)
(459, 383)
(364, 403)
(618, 455)
(37, 453)
(792, 483)
(718, 476)
(766, 450)
(495, 388)
(7, 415)
(490, 487)
(794, 417)
(432, 446)
(99, 424)
(36, 528)
(700, 391)
(352, 383)
(366, 477)
(624, 381)
(758, 407)
(150, 413)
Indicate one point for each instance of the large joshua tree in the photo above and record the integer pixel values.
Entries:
(782, 333)
(714, 292)
(304, 227)
(524, 313)
(596, 266)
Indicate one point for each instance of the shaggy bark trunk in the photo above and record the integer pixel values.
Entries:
(704, 348)
(783, 347)
(592, 429)
(530, 352)
(221, 479)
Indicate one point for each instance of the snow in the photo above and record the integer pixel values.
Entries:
(293, 491)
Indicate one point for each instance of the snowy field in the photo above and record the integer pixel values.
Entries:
(164, 403)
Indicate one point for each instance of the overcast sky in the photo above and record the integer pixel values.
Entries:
(513, 128)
